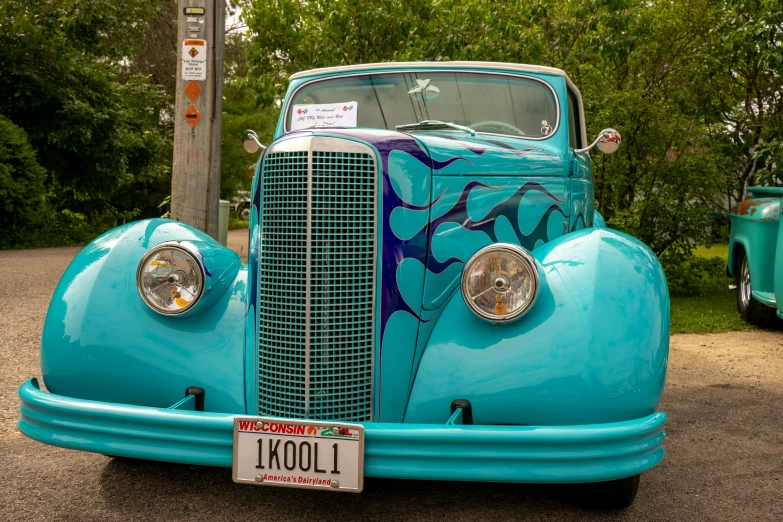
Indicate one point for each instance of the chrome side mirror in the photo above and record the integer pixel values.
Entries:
(250, 142)
(608, 142)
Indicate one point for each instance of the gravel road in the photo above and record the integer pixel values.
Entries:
(724, 397)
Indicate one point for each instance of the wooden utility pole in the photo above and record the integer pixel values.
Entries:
(195, 179)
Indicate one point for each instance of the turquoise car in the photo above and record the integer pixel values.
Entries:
(753, 246)
(429, 294)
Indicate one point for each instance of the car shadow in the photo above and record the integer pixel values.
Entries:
(197, 491)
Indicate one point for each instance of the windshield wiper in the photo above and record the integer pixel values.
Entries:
(435, 123)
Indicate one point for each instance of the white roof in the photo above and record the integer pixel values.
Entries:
(433, 65)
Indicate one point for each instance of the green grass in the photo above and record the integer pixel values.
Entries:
(711, 313)
(234, 223)
(708, 252)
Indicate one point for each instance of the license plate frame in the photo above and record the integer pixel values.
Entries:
(319, 426)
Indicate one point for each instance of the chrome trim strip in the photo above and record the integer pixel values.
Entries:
(330, 144)
(308, 252)
(286, 125)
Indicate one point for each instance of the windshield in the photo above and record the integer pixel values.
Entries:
(489, 103)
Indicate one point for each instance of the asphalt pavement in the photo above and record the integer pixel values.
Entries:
(724, 398)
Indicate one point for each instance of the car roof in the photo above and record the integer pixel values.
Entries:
(433, 65)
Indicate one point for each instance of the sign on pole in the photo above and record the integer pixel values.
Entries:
(194, 60)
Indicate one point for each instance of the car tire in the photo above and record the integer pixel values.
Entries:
(245, 214)
(119, 458)
(612, 494)
(751, 310)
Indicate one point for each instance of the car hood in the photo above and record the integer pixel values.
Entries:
(490, 154)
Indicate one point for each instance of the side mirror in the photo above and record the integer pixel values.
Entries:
(608, 142)
(250, 142)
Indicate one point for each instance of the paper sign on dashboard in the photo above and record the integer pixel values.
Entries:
(324, 115)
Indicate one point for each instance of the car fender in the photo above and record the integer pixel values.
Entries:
(102, 342)
(598, 220)
(731, 263)
(593, 348)
(754, 226)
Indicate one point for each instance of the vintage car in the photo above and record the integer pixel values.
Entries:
(430, 294)
(753, 249)
(240, 204)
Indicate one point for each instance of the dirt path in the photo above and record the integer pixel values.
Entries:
(724, 454)
(729, 359)
(237, 241)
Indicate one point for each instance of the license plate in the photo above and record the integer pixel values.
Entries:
(299, 454)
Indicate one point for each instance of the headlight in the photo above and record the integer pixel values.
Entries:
(170, 278)
(500, 282)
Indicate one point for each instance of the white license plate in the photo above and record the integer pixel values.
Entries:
(299, 454)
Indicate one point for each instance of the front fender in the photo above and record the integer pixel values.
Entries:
(101, 342)
(593, 348)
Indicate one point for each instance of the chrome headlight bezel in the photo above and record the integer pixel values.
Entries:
(188, 250)
(524, 257)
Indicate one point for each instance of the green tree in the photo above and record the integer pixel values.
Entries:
(155, 54)
(660, 186)
(240, 113)
(97, 135)
(22, 189)
(746, 57)
(290, 36)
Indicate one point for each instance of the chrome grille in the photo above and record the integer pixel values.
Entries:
(317, 280)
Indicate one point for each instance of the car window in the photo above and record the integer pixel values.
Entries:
(491, 103)
(574, 125)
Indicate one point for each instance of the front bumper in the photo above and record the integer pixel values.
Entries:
(554, 454)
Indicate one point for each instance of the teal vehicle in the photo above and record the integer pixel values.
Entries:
(429, 294)
(753, 251)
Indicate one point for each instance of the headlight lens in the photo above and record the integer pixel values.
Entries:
(500, 282)
(170, 279)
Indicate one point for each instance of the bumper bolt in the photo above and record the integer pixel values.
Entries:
(335, 484)
(260, 425)
(259, 478)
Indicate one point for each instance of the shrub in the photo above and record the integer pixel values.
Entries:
(55, 229)
(22, 179)
(688, 274)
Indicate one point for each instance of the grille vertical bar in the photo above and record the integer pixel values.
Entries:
(316, 341)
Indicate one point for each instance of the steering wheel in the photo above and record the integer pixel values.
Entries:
(498, 125)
